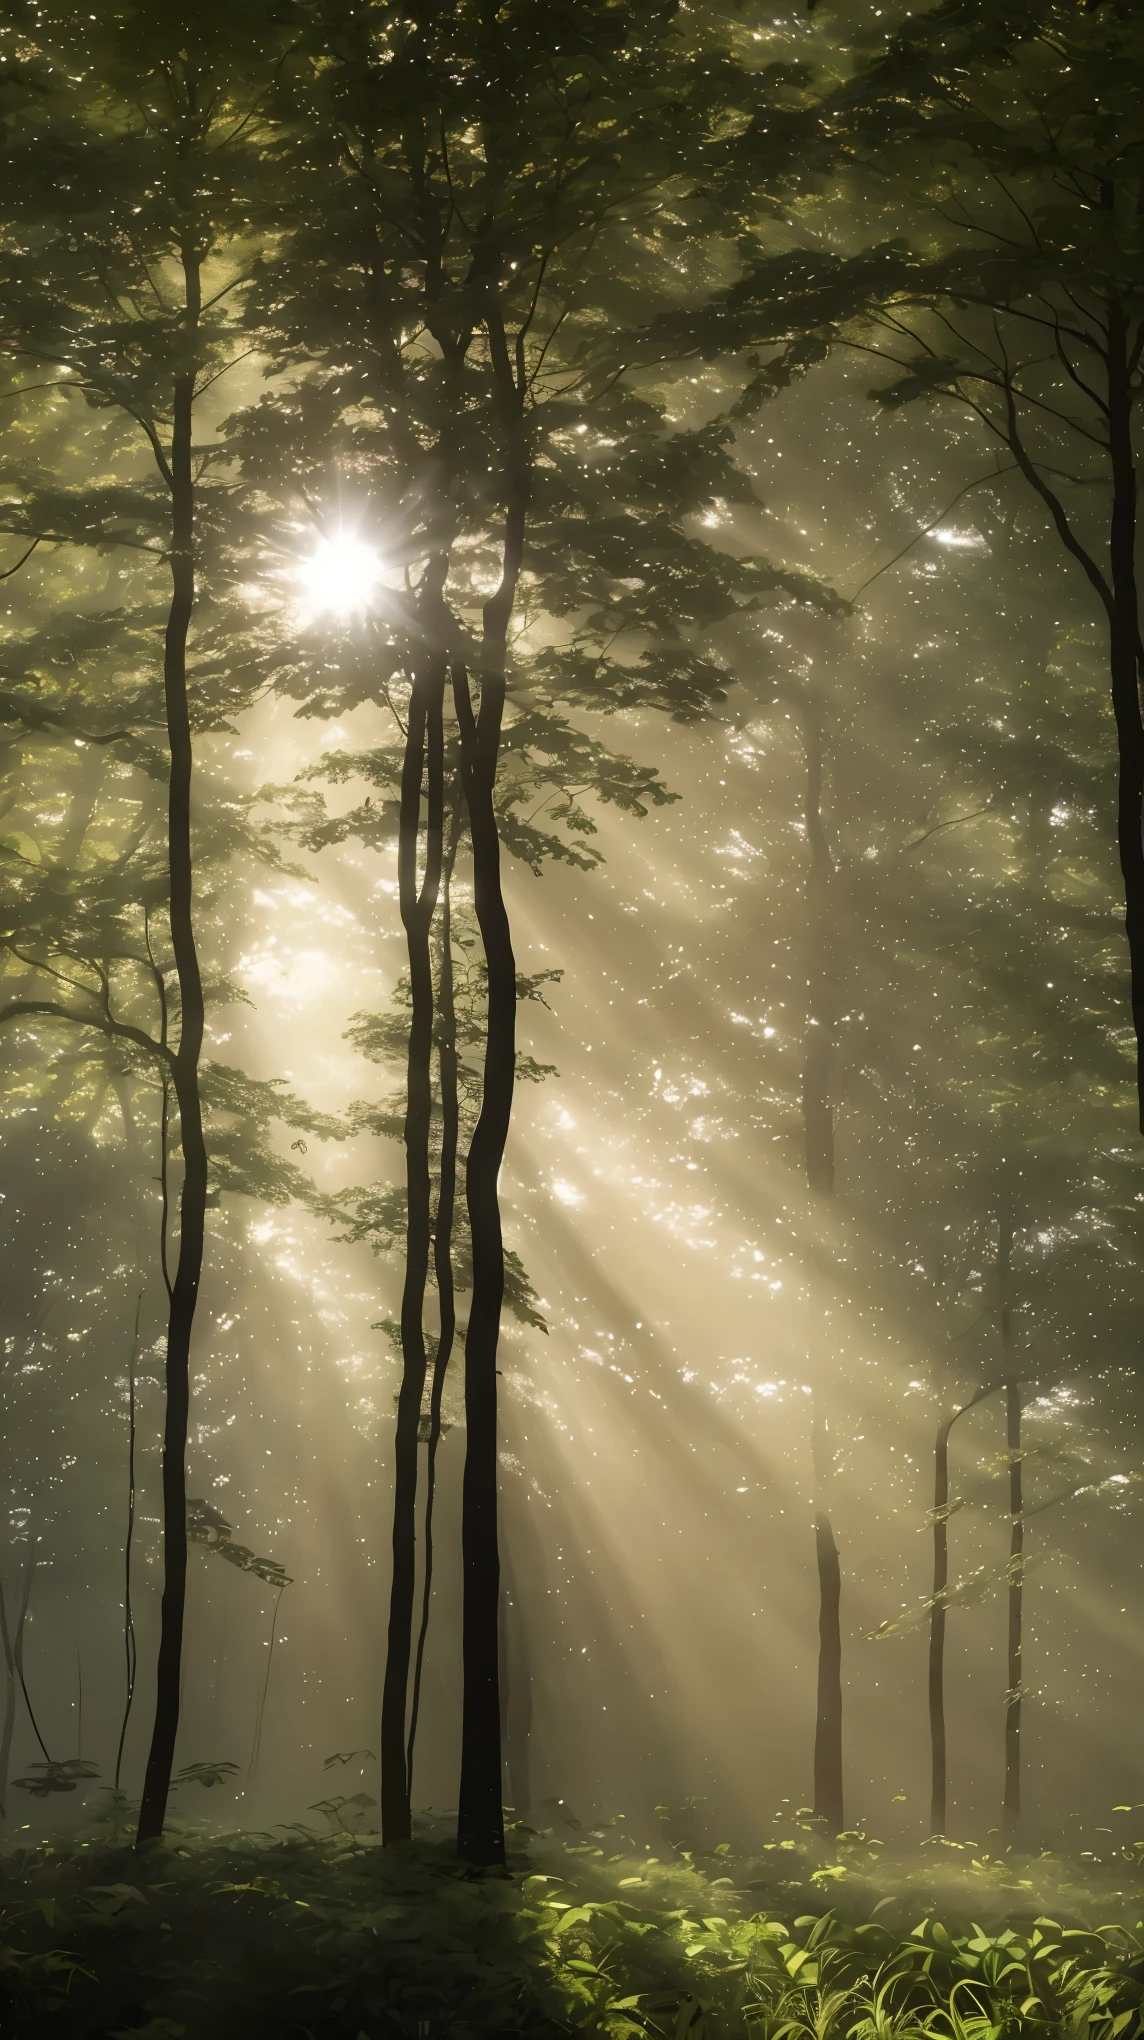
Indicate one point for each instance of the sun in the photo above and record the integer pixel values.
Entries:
(340, 577)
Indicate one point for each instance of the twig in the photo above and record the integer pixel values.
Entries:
(254, 1754)
(932, 526)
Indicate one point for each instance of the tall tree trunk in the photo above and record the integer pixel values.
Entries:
(938, 1610)
(13, 1641)
(424, 739)
(1125, 662)
(828, 1803)
(938, 1767)
(480, 1803)
(9, 1729)
(185, 1077)
(442, 1248)
(130, 1656)
(1012, 1805)
(818, 1133)
(822, 996)
(1016, 1592)
(480, 1810)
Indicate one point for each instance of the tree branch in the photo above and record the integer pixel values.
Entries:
(50, 1009)
(932, 526)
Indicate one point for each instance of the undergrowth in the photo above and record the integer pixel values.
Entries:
(241, 1937)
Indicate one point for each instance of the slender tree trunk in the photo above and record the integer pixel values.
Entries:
(9, 1728)
(938, 1769)
(1124, 660)
(13, 1668)
(129, 1650)
(18, 1652)
(828, 1803)
(260, 1710)
(1016, 1591)
(185, 1077)
(424, 738)
(442, 1250)
(938, 1610)
(1012, 1805)
(480, 1810)
(822, 997)
(818, 1132)
(480, 1804)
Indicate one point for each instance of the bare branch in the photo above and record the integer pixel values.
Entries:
(9, 571)
(1054, 506)
(49, 1009)
(955, 823)
(932, 526)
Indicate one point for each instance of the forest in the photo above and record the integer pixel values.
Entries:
(524, 983)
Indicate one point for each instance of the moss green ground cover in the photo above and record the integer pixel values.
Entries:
(244, 1938)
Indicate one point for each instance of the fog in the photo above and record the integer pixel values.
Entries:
(660, 1599)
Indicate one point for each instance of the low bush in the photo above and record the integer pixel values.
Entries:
(252, 1938)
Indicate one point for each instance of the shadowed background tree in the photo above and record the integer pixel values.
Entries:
(1014, 170)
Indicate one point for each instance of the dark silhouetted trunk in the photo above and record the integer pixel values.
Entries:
(828, 1804)
(480, 1811)
(938, 1766)
(185, 1079)
(424, 744)
(1012, 1807)
(129, 1650)
(18, 1651)
(14, 1675)
(938, 1608)
(9, 1729)
(260, 1710)
(1124, 660)
(480, 1807)
(1016, 1589)
(818, 1133)
(442, 1250)
(822, 995)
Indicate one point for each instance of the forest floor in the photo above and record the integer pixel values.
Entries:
(242, 1937)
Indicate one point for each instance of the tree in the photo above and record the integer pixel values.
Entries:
(126, 216)
(1016, 145)
(818, 1080)
(940, 1514)
(965, 718)
(477, 207)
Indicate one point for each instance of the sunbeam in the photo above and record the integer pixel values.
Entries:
(571, 1019)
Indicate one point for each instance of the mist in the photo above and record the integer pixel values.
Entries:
(572, 1028)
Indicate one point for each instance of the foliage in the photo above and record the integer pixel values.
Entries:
(206, 1526)
(256, 1937)
(205, 1774)
(54, 1776)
